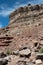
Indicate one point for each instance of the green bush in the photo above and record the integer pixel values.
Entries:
(8, 52)
(41, 50)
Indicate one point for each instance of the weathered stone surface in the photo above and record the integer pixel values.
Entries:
(25, 35)
(25, 52)
(2, 55)
(16, 52)
(38, 61)
(7, 58)
(33, 56)
(39, 56)
(3, 62)
(21, 9)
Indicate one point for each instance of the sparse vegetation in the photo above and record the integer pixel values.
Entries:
(41, 50)
(8, 52)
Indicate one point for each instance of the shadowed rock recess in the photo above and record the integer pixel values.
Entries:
(22, 39)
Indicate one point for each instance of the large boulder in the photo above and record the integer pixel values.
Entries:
(25, 52)
(38, 61)
(3, 61)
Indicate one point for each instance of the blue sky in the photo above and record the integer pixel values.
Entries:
(7, 6)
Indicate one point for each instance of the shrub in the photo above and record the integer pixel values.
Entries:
(41, 50)
(8, 52)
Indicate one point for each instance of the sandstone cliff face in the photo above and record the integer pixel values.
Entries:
(26, 13)
(26, 23)
(24, 32)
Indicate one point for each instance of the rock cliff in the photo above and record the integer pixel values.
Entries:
(24, 35)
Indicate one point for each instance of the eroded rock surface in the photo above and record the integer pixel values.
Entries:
(23, 37)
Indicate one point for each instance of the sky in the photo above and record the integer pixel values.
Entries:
(8, 6)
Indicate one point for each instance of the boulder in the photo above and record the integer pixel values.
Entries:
(41, 43)
(35, 43)
(21, 63)
(2, 55)
(25, 52)
(16, 52)
(24, 62)
(8, 58)
(38, 61)
(33, 56)
(39, 56)
(3, 62)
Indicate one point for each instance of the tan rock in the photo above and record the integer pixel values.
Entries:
(38, 61)
(24, 52)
